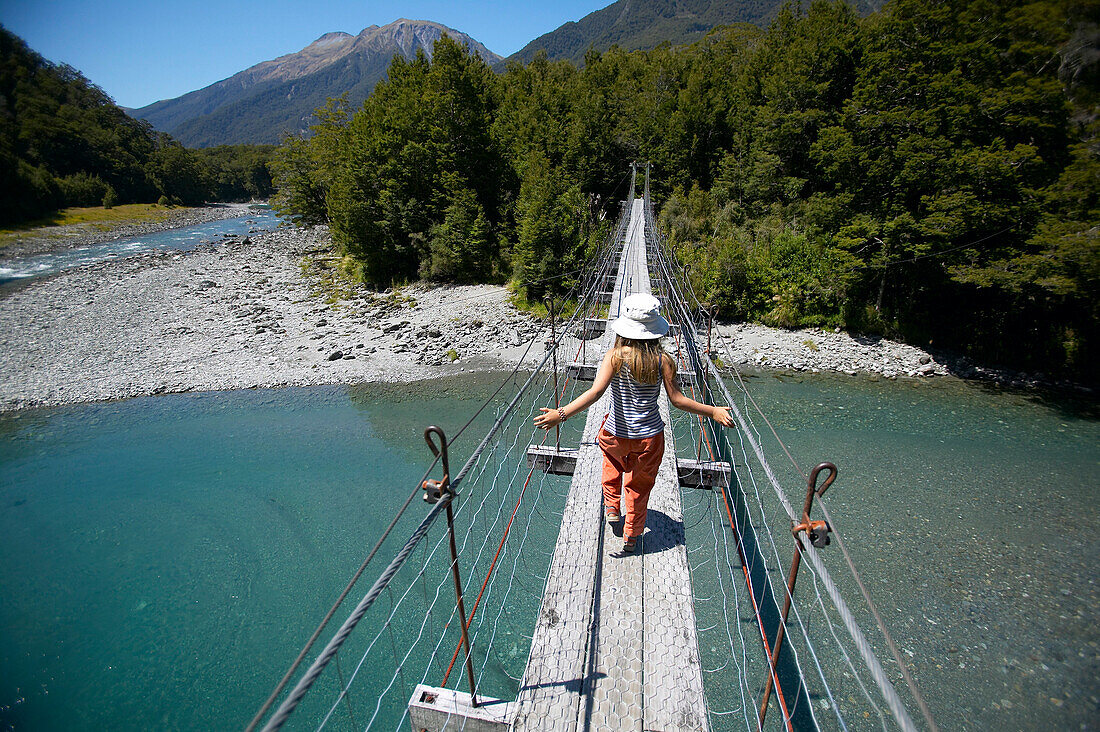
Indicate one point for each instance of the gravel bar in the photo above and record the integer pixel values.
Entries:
(246, 313)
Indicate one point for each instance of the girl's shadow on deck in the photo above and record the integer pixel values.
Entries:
(662, 533)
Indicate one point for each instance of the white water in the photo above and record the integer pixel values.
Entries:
(181, 239)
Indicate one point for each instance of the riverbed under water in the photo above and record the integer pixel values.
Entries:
(166, 557)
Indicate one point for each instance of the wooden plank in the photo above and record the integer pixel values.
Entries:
(673, 677)
(703, 473)
(552, 691)
(555, 461)
(615, 644)
(581, 371)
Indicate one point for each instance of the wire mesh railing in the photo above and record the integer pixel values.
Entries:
(407, 629)
(845, 683)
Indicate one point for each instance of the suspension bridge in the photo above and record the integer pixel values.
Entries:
(607, 640)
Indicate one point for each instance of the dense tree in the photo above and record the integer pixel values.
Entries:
(239, 172)
(303, 169)
(955, 119)
(55, 124)
(461, 248)
(420, 144)
(550, 214)
(534, 109)
(928, 172)
(63, 142)
(178, 173)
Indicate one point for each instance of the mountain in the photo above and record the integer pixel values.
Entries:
(644, 24)
(263, 103)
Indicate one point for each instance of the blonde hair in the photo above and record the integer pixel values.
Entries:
(641, 356)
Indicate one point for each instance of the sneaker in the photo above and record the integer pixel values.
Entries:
(630, 543)
(613, 516)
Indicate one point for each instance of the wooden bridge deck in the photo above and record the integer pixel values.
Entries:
(615, 644)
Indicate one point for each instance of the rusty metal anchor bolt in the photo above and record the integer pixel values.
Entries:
(433, 490)
(819, 534)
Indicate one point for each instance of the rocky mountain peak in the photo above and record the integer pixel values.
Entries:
(408, 35)
(275, 97)
(329, 39)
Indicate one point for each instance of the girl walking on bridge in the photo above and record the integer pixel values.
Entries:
(632, 437)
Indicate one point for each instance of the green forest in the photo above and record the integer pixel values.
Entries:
(928, 173)
(63, 143)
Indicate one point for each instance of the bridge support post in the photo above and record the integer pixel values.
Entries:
(818, 534)
(442, 490)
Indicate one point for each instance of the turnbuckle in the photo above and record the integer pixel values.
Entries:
(434, 489)
(818, 531)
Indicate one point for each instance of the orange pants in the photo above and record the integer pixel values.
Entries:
(630, 466)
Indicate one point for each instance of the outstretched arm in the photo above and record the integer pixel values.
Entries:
(550, 417)
(678, 399)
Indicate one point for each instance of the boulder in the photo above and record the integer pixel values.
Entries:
(335, 355)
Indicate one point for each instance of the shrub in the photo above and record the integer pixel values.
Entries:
(82, 189)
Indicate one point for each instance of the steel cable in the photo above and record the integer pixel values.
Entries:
(885, 687)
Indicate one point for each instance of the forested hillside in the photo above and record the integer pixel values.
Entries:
(928, 173)
(646, 24)
(63, 142)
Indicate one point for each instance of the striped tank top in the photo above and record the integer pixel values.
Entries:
(634, 413)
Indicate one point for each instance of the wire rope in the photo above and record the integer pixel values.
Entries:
(500, 507)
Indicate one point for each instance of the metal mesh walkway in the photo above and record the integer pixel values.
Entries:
(615, 645)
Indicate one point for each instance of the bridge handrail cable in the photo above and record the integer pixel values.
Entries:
(866, 652)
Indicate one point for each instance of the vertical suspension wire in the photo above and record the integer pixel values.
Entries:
(491, 481)
(885, 688)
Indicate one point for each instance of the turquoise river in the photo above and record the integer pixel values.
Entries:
(165, 558)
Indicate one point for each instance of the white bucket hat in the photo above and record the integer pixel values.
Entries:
(640, 318)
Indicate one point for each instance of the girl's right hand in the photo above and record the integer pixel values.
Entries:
(547, 419)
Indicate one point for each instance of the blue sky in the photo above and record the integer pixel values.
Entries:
(143, 51)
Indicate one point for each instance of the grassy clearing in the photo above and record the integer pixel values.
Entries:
(329, 279)
(95, 217)
(333, 280)
(564, 309)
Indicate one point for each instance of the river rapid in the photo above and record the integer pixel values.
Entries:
(41, 256)
(166, 557)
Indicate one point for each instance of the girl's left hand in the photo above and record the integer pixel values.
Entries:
(547, 419)
(722, 416)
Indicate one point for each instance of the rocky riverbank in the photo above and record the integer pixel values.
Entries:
(238, 314)
(747, 345)
(821, 350)
(265, 312)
